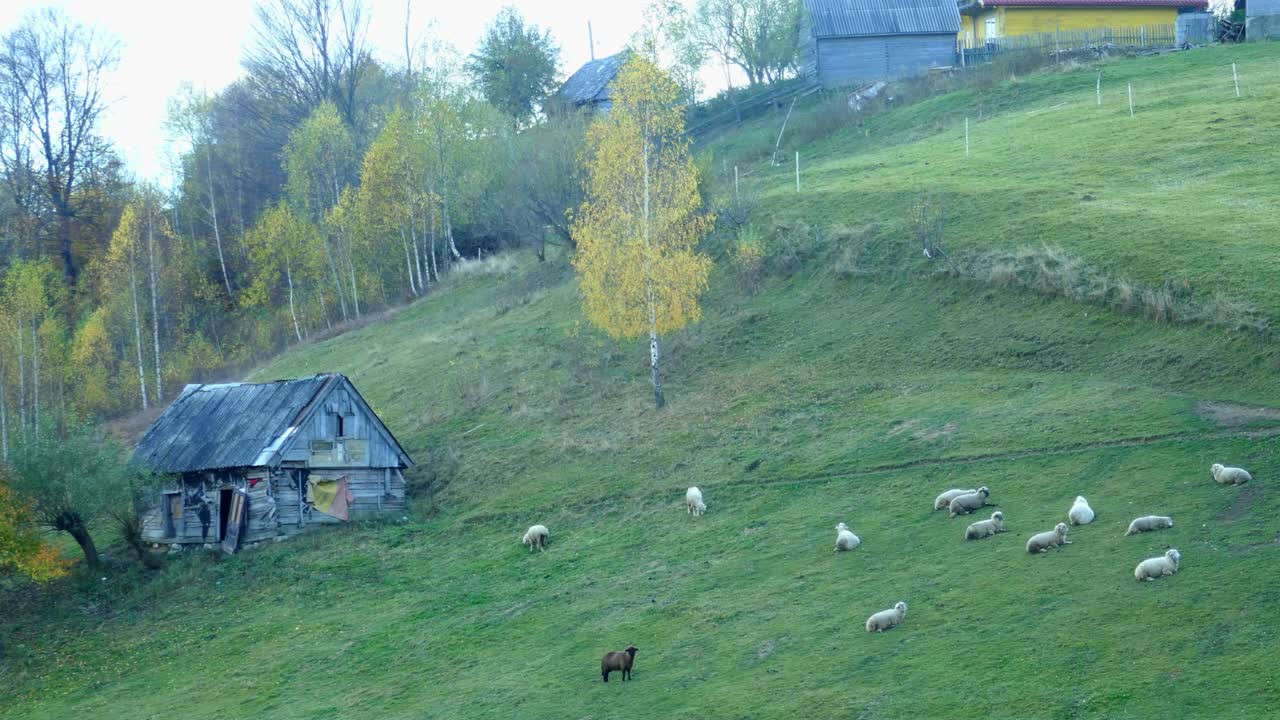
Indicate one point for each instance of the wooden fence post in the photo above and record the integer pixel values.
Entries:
(1130, 98)
(797, 171)
(1236, 78)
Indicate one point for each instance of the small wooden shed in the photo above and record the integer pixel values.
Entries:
(251, 461)
(588, 88)
(849, 42)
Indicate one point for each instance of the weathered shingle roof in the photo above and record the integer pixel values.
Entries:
(232, 425)
(852, 18)
(591, 82)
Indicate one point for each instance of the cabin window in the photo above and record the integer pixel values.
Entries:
(342, 430)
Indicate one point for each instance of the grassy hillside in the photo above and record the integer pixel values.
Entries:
(1182, 192)
(840, 392)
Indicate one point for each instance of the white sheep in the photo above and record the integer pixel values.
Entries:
(967, 503)
(985, 528)
(1149, 522)
(1080, 513)
(943, 501)
(693, 501)
(1229, 475)
(1041, 542)
(845, 540)
(886, 619)
(1155, 567)
(536, 537)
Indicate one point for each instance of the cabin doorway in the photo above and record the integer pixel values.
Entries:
(224, 512)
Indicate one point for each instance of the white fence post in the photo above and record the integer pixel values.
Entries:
(1236, 78)
(1099, 89)
(1130, 98)
(966, 137)
(797, 171)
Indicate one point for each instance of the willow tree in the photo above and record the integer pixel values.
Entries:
(637, 231)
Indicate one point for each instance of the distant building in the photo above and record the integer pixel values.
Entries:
(990, 20)
(1262, 20)
(848, 42)
(250, 461)
(588, 88)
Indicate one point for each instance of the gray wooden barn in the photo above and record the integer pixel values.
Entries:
(849, 42)
(294, 453)
(588, 88)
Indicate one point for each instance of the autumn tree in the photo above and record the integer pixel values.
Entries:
(286, 259)
(515, 65)
(637, 231)
(70, 480)
(320, 160)
(21, 547)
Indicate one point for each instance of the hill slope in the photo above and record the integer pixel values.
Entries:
(831, 395)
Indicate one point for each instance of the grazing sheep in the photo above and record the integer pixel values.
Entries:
(1080, 513)
(1155, 567)
(967, 503)
(943, 501)
(985, 528)
(1229, 475)
(693, 501)
(845, 540)
(1148, 522)
(618, 660)
(1041, 542)
(886, 619)
(536, 537)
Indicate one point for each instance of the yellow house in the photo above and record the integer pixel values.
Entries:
(984, 20)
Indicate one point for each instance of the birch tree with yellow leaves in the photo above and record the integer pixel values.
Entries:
(637, 231)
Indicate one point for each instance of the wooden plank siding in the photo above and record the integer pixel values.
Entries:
(842, 62)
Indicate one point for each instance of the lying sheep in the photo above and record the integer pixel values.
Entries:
(1155, 567)
(1041, 542)
(985, 528)
(693, 501)
(886, 619)
(1149, 522)
(1080, 512)
(943, 501)
(1229, 475)
(536, 537)
(621, 660)
(967, 503)
(845, 540)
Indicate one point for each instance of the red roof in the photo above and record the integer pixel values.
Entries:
(1096, 3)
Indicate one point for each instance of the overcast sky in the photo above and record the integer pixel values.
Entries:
(166, 42)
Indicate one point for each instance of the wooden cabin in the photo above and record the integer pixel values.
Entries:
(851, 42)
(253, 461)
(588, 89)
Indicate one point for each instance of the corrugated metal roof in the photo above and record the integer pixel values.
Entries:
(1094, 3)
(591, 82)
(852, 18)
(234, 425)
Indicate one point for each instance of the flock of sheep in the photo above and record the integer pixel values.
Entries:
(957, 502)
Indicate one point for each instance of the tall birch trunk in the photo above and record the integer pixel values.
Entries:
(137, 328)
(155, 303)
(213, 215)
(435, 223)
(35, 378)
(351, 268)
(413, 240)
(658, 398)
(22, 380)
(408, 263)
(288, 275)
